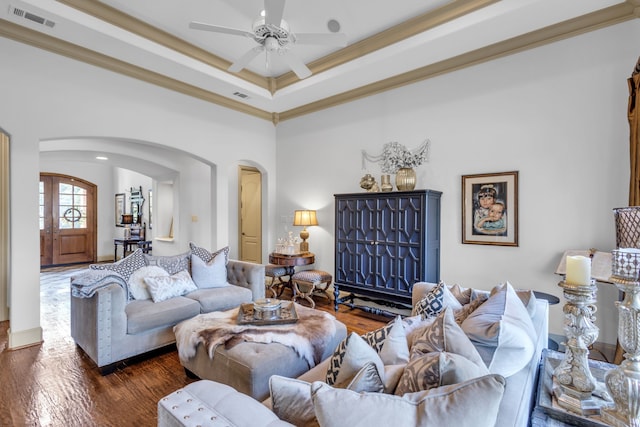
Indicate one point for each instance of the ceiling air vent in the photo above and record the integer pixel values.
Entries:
(30, 16)
(241, 95)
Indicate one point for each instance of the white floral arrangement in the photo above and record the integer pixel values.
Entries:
(395, 156)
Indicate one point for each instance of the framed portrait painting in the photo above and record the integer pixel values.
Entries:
(490, 209)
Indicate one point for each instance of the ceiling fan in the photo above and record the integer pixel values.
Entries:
(273, 35)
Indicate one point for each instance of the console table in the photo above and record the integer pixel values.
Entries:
(128, 243)
(289, 262)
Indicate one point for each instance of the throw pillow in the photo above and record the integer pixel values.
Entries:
(291, 401)
(463, 295)
(172, 264)
(207, 256)
(137, 286)
(456, 405)
(291, 398)
(467, 309)
(211, 274)
(349, 357)
(437, 369)
(126, 266)
(502, 331)
(431, 303)
(390, 342)
(164, 288)
(445, 335)
(448, 299)
(413, 327)
(366, 379)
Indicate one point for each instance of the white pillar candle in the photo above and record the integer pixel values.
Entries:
(578, 270)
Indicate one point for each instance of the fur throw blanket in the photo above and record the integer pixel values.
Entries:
(307, 337)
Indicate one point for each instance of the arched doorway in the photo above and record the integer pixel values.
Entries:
(67, 220)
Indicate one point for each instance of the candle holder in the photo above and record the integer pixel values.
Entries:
(572, 378)
(623, 383)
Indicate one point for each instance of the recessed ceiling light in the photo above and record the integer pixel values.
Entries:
(101, 158)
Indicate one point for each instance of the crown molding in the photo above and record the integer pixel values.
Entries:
(454, 9)
(133, 25)
(570, 28)
(34, 38)
(395, 34)
(589, 22)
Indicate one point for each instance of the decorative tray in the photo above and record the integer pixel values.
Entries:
(287, 314)
(547, 403)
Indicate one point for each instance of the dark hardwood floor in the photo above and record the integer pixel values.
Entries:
(56, 384)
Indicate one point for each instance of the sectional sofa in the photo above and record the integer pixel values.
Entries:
(492, 384)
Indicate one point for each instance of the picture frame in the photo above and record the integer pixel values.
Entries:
(119, 209)
(490, 209)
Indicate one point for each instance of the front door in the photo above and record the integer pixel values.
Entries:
(67, 220)
(250, 215)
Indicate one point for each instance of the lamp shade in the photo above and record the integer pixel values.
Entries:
(305, 218)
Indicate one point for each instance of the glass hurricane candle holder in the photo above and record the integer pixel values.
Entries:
(623, 383)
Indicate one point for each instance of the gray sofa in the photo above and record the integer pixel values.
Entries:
(202, 400)
(110, 326)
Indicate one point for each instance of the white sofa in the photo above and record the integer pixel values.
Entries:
(187, 406)
(111, 326)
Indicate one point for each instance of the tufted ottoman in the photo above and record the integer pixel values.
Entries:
(206, 403)
(307, 283)
(248, 366)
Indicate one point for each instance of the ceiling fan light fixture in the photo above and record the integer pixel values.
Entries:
(271, 44)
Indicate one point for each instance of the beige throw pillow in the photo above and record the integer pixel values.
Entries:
(350, 356)
(437, 369)
(291, 398)
(390, 342)
(502, 331)
(455, 405)
(445, 335)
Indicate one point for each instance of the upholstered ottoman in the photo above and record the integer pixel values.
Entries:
(307, 283)
(248, 366)
(206, 403)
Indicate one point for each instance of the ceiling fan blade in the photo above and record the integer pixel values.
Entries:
(218, 29)
(273, 10)
(296, 65)
(328, 39)
(245, 59)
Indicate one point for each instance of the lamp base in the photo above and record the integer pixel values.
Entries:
(304, 235)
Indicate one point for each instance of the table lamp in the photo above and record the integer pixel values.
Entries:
(127, 220)
(304, 218)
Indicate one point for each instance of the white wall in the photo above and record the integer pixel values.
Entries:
(556, 114)
(48, 97)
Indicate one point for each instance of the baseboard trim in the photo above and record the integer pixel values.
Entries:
(21, 339)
